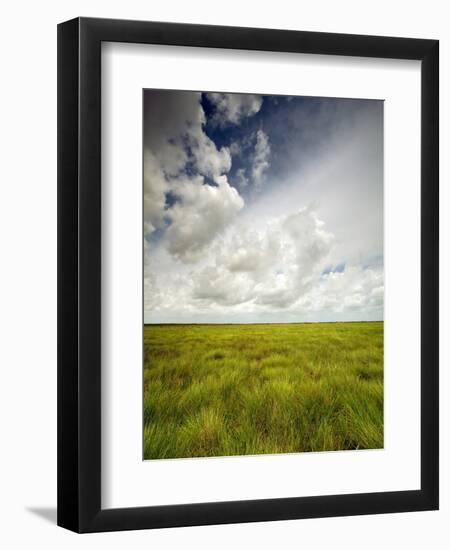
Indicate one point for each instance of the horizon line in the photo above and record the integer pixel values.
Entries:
(273, 323)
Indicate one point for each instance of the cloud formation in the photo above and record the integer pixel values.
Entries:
(261, 158)
(259, 210)
(232, 108)
(271, 267)
(202, 212)
(276, 268)
(178, 157)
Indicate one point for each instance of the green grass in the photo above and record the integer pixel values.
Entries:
(222, 390)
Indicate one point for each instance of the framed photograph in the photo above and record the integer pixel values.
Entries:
(247, 275)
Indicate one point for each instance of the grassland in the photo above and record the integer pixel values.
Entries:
(221, 390)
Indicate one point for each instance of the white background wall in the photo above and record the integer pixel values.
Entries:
(28, 271)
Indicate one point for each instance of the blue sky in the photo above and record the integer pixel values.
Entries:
(262, 208)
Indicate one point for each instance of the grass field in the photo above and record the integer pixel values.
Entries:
(221, 390)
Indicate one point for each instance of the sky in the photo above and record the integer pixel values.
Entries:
(262, 209)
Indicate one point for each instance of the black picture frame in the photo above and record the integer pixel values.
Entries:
(79, 274)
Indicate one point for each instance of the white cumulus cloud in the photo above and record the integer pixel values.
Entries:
(202, 213)
(232, 108)
(272, 266)
(176, 145)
